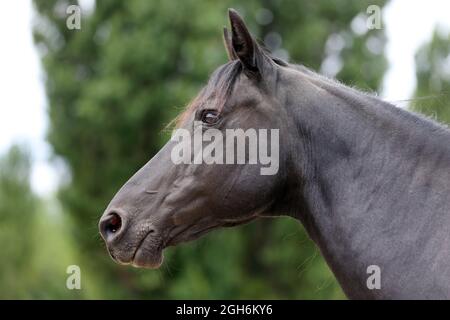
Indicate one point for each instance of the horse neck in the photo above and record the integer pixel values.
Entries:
(365, 166)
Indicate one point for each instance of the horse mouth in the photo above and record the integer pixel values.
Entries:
(149, 252)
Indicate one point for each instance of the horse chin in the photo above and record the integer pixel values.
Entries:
(148, 258)
(149, 254)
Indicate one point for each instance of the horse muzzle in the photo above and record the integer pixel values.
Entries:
(140, 245)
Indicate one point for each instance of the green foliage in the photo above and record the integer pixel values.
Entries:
(112, 87)
(34, 246)
(17, 209)
(433, 78)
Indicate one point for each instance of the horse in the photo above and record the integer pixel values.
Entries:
(369, 181)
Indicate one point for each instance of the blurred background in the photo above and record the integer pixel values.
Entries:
(82, 110)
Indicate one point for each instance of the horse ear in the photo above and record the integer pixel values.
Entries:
(228, 46)
(244, 47)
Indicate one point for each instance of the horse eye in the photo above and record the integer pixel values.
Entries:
(210, 116)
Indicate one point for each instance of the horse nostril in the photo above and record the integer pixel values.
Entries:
(114, 223)
(111, 225)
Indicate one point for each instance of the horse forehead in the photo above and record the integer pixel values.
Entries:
(245, 88)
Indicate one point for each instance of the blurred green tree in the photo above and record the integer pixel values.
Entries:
(432, 95)
(17, 210)
(114, 84)
(35, 250)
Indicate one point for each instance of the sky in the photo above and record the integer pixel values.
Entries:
(23, 105)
